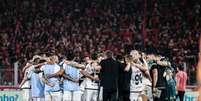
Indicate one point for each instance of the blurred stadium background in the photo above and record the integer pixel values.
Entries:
(167, 27)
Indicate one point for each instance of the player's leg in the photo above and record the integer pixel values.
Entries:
(26, 94)
(42, 99)
(143, 97)
(88, 95)
(77, 95)
(82, 88)
(134, 96)
(144, 94)
(67, 96)
(48, 96)
(83, 95)
(38, 99)
(101, 94)
(56, 96)
(149, 93)
(34, 99)
(94, 95)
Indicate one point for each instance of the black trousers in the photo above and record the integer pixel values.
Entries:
(181, 95)
(109, 95)
(124, 95)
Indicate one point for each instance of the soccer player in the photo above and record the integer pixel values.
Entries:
(147, 92)
(158, 81)
(71, 88)
(37, 84)
(139, 70)
(72, 91)
(92, 86)
(52, 88)
(25, 84)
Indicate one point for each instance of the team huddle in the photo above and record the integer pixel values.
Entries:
(100, 77)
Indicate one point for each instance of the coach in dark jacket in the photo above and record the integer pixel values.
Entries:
(109, 77)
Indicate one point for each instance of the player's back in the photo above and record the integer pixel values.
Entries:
(37, 85)
(51, 69)
(74, 73)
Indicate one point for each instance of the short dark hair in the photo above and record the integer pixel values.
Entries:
(181, 67)
(49, 54)
(36, 61)
(94, 56)
(109, 54)
(70, 55)
(119, 57)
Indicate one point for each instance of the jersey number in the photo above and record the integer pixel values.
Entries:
(138, 79)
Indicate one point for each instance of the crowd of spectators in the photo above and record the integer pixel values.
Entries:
(27, 27)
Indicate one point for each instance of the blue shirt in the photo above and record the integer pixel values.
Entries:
(37, 86)
(73, 72)
(51, 69)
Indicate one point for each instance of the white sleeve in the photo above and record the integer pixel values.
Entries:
(32, 67)
(145, 62)
(42, 68)
(29, 72)
(57, 68)
(64, 65)
(80, 74)
(87, 67)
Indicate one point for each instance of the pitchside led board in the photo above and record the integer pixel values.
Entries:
(11, 95)
(191, 96)
(16, 95)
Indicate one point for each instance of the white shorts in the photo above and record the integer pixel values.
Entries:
(26, 94)
(91, 94)
(53, 96)
(148, 92)
(72, 96)
(135, 96)
(38, 99)
(83, 85)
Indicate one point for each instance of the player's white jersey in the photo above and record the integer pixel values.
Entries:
(136, 83)
(146, 81)
(28, 73)
(90, 83)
